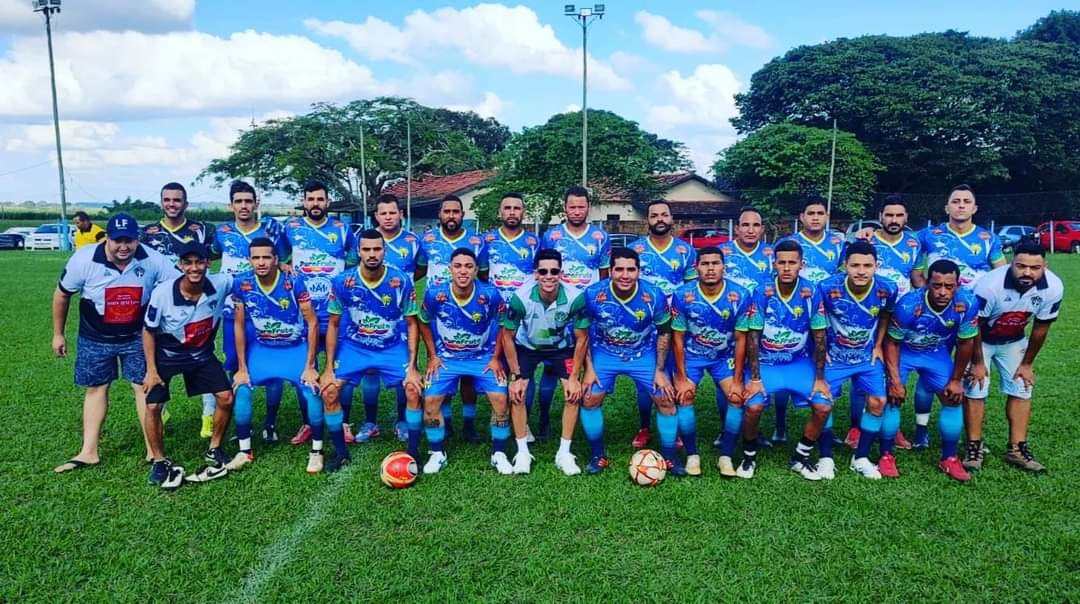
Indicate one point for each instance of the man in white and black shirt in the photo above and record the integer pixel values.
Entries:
(181, 324)
(1009, 298)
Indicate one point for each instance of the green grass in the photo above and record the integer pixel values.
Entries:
(272, 533)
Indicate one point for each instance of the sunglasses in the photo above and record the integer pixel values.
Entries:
(544, 272)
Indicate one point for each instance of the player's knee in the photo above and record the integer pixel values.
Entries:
(664, 406)
(592, 401)
(753, 412)
(821, 412)
(224, 399)
(875, 405)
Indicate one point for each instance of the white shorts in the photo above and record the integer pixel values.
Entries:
(1005, 359)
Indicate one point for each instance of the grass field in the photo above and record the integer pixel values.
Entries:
(274, 534)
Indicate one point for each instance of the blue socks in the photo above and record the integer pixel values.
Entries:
(721, 404)
(274, 392)
(334, 421)
(414, 417)
(435, 436)
(301, 400)
(857, 405)
(242, 415)
(592, 424)
(447, 412)
(869, 430)
(781, 403)
(548, 383)
(345, 400)
(732, 427)
(950, 423)
(924, 403)
(499, 436)
(468, 418)
(668, 426)
(688, 428)
(369, 391)
(644, 408)
(314, 413)
(890, 425)
(825, 441)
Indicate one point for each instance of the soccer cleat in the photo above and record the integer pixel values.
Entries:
(693, 465)
(367, 432)
(1019, 455)
(347, 430)
(240, 460)
(567, 463)
(207, 429)
(338, 463)
(675, 468)
(174, 478)
(779, 438)
(302, 436)
(902, 442)
(270, 435)
(159, 471)
(314, 462)
(954, 469)
(865, 468)
(208, 473)
(522, 463)
(436, 462)
(727, 469)
(641, 438)
(805, 468)
(826, 468)
(401, 432)
(216, 457)
(921, 442)
(887, 466)
(852, 440)
(746, 468)
(501, 464)
(973, 456)
(597, 465)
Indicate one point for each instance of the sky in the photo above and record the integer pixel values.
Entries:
(151, 90)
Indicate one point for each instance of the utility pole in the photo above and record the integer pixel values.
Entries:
(584, 18)
(48, 7)
(832, 172)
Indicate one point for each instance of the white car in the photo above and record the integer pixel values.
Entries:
(47, 237)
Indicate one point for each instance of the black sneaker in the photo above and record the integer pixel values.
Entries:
(270, 435)
(159, 471)
(217, 456)
(973, 456)
(338, 463)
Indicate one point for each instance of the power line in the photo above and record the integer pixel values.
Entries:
(25, 168)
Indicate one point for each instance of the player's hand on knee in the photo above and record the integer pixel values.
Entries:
(662, 386)
(517, 391)
(875, 405)
(571, 390)
(1026, 374)
(241, 378)
(976, 374)
(151, 380)
(821, 387)
(953, 392)
(897, 393)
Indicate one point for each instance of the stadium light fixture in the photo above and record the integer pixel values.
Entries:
(47, 8)
(584, 17)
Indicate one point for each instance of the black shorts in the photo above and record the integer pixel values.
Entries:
(207, 377)
(556, 362)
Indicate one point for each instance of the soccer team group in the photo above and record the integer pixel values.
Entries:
(774, 324)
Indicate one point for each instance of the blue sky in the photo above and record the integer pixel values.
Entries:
(151, 90)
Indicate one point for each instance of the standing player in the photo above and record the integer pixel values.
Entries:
(858, 306)
(667, 263)
(372, 326)
(585, 248)
(320, 248)
(436, 250)
(167, 236)
(925, 327)
(974, 249)
(544, 323)
(787, 313)
(748, 260)
(1009, 298)
(181, 325)
(629, 334)
(709, 324)
(114, 279)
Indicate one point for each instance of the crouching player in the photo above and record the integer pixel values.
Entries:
(785, 315)
(709, 324)
(276, 335)
(925, 327)
(460, 326)
(372, 327)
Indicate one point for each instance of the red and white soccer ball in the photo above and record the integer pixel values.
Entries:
(647, 468)
(399, 470)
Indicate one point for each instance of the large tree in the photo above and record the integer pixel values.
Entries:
(324, 144)
(777, 165)
(542, 161)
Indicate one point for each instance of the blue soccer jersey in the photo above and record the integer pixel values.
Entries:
(625, 328)
(853, 320)
(895, 261)
(232, 242)
(272, 315)
(463, 329)
(510, 259)
(925, 330)
(319, 253)
(436, 248)
(401, 251)
(710, 323)
(582, 257)
(975, 251)
(821, 258)
(748, 269)
(785, 323)
(373, 313)
(666, 268)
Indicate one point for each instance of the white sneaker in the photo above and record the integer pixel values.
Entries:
(240, 460)
(173, 479)
(501, 463)
(865, 468)
(314, 462)
(436, 462)
(826, 468)
(529, 438)
(522, 463)
(805, 469)
(727, 469)
(567, 463)
(746, 468)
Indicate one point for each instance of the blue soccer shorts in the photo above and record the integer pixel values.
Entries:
(934, 368)
(720, 369)
(796, 379)
(867, 377)
(446, 381)
(228, 338)
(353, 362)
(268, 364)
(608, 367)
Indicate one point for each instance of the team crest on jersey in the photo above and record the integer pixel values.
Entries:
(440, 297)
(474, 240)
(831, 255)
(950, 323)
(601, 297)
(639, 314)
(769, 291)
(477, 317)
(597, 235)
(395, 283)
(806, 292)
(733, 297)
(797, 311)
(350, 282)
(646, 297)
(906, 257)
(590, 248)
(139, 271)
(688, 297)
(724, 314)
(1036, 301)
(283, 303)
(386, 299)
(429, 237)
(760, 265)
(874, 310)
(674, 264)
(524, 253)
(332, 237)
(835, 294)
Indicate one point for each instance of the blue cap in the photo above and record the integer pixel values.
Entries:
(122, 226)
(192, 248)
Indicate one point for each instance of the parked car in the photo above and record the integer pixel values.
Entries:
(1011, 234)
(15, 238)
(855, 227)
(700, 237)
(1066, 236)
(621, 239)
(47, 237)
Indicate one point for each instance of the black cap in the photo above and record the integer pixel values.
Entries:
(192, 248)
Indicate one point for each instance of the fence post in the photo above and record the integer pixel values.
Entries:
(1050, 234)
(730, 228)
(992, 229)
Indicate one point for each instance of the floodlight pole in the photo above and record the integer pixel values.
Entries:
(584, 18)
(832, 172)
(65, 245)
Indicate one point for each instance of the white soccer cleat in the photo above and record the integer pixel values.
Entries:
(865, 468)
(727, 469)
(314, 462)
(501, 464)
(522, 463)
(436, 462)
(693, 465)
(174, 478)
(826, 468)
(567, 463)
(806, 469)
(240, 460)
(746, 468)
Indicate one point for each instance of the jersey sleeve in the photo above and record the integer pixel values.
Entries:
(818, 320)
(421, 255)
(276, 231)
(214, 246)
(896, 329)
(984, 298)
(73, 278)
(482, 255)
(996, 253)
(352, 256)
(284, 245)
(691, 265)
(166, 270)
(152, 320)
(742, 317)
(1051, 304)
(515, 313)
(577, 313)
(661, 309)
(411, 308)
(920, 237)
(428, 306)
(605, 252)
(337, 292)
(678, 313)
(755, 319)
(969, 323)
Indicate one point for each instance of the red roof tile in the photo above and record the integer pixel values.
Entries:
(429, 186)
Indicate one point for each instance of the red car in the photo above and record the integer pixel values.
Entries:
(700, 237)
(1066, 235)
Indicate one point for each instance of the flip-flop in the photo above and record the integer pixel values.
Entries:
(74, 464)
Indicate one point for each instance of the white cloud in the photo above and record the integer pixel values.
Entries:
(572, 108)
(106, 74)
(74, 134)
(726, 31)
(705, 98)
(736, 30)
(489, 35)
(491, 106)
(150, 16)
